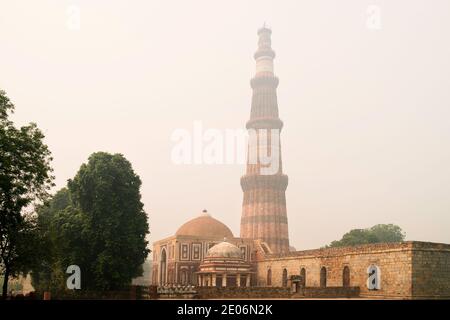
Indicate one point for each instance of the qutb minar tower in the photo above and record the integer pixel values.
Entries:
(264, 213)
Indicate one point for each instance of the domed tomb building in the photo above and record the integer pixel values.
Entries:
(177, 259)
(224, 266)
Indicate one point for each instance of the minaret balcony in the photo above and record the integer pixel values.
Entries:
(261, 81)
(264, 52)
(276, 181)
(264, 123)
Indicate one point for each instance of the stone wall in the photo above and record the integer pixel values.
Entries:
(431, 270)
(394, 261)
(242, 292)
(328, 292)
(407, 269)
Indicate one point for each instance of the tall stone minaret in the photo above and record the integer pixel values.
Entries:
(264, 206)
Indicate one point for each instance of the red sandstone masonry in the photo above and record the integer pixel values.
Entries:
(264, 194)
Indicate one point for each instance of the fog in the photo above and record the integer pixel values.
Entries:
(366, 110)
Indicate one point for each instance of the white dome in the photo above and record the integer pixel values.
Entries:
(225, 250)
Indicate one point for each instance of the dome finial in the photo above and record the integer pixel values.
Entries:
(265, 28)
(205, 213)
(204, 225)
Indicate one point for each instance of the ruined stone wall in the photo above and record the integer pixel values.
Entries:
(407, 270)
(242, 292)
(431, 270)
(327, 292)
(394, 261)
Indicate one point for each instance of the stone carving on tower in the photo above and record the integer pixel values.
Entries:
(264, 213)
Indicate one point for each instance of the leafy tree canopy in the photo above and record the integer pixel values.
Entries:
(377, 234)
(25, 178)
(97, 223)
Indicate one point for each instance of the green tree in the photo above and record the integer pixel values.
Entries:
(25, 178)
(387, 233)
(97, 223)
(56, 227)
(380, 233)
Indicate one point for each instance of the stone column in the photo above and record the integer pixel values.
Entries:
(238, 280)
(224, 280)
(210, 280)
(199, 280)
(213, 281)
(248, 280)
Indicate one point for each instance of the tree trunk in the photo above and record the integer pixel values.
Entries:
(5, 284)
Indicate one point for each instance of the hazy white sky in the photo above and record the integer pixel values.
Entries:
(366, 137)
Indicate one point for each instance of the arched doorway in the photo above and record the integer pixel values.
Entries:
(231, 280)
(219, 281)
(303, 275)
(184, 277)
(285, 278)
(269, 277)
(346, 277)
(323, 277)
(163, 268)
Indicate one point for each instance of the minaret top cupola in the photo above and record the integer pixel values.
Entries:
(264, 55)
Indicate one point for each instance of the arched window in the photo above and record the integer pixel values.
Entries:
(285, 278)
(269, 277)
(346, 277)
(323, 277)
(163, 268)
(303, 275)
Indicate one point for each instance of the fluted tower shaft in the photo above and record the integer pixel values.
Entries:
(264, 185)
